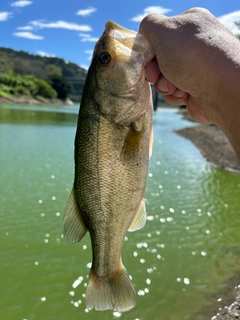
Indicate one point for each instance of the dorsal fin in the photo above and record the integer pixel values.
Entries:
(140, 218)
(73, 226)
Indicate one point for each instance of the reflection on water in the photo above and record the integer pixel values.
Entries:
(188, 248)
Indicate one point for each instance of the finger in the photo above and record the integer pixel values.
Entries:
(152, 71)
(171, 99)
(164, 87)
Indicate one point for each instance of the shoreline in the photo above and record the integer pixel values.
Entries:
(212, 143)
(35, 101)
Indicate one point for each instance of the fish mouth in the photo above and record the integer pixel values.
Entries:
(129, 43)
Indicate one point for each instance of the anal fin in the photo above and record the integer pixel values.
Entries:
(140, 218)
(73, 226)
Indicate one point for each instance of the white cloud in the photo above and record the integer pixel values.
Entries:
(26, 28)
(86, 12)
(87, 38)
(229, 19)
(22, 3)
(84, 66)
(60, 25)
(148, 10)
(89, 53)
(45, 54)
(28, 35)
(4, 16)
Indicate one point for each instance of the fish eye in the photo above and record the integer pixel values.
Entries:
(104, 57)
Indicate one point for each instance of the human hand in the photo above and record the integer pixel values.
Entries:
(193, 54)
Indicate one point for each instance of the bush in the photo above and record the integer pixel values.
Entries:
(43, 89)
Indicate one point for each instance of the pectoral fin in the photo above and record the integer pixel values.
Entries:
(140, 218)
(73, 229)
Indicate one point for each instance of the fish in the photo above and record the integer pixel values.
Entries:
(113, 144)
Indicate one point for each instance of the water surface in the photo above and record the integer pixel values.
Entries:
(188, 249)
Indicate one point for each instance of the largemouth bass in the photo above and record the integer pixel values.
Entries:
(112, 149)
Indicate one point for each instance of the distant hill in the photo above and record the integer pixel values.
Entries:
(53, 70)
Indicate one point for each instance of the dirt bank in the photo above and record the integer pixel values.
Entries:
(212, 143)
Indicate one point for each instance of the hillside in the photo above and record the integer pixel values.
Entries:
(22, 73)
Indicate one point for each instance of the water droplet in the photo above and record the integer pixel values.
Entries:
(46, 240)
(76, 304)
(183, 212)
(77, 282)
(141, 293)
(47, 235)
(117, 314)
(84, 247)
(72, 293)
(179, 187)
(58, 214)
(135, 254)
(150, 175)
(208, 231)
(43, 298)
(53, 198)
(7, 233)
(186, 281)
(142, 260)
(40, 201)
(148, 281)
(89, 265)
(36, 263)
(209, 214)
(171, 210)
(158, 163)
(52, 176)
(150, 218)
(178, 279)
(203, 253)
(42, 214)
(187, 228)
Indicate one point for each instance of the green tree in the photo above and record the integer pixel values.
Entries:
(43, 89)
(61, 85)
(237, 23)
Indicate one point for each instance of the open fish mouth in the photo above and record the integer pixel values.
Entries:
(129, 43)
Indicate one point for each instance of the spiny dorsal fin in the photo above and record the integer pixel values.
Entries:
(73, 226)
(140, 218)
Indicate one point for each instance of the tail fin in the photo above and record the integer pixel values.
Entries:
(114, 292)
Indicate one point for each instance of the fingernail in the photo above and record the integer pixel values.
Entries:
(162, 85)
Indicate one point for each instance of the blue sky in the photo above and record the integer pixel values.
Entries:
(69, 29)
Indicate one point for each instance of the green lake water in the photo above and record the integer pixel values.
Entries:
(181, 259)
